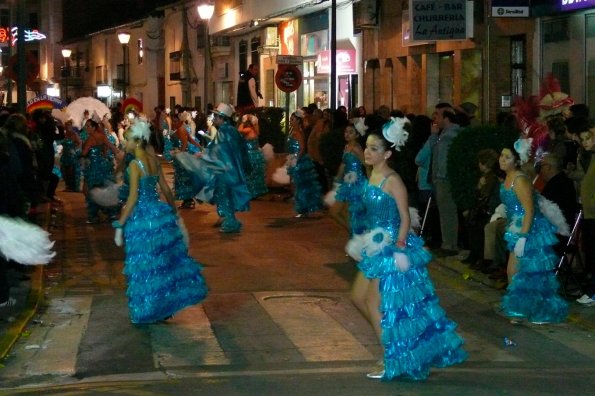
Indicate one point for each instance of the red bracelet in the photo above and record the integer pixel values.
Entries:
(401, 244)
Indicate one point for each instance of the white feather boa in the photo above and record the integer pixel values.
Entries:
(372, 243)
(106, 196)
(24, 242)
(553, 213)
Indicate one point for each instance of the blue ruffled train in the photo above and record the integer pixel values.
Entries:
(350, 190)
(255, 177)
(162, 277)
(533, 290)
(308, 192)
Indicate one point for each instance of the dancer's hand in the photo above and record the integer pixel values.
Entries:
(118, 238)
(519, 247)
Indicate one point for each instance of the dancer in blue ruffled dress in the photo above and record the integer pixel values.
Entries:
(255, 177)
(532, 292)
(99, 170)
(393, 289)
(183, 141)
(351, 179)
(231, 192)
(162, 278)
(70, 159)
(307, 189)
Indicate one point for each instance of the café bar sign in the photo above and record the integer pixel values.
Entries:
(433, 20)
(11, 35)
(569, 5)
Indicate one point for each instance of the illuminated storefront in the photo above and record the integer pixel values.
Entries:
(568, 47)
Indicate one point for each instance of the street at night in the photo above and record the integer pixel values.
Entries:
(278, 320)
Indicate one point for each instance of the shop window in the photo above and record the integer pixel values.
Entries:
(175, 65)
(243, 55)
(254, 55)
(560, 70)
(555, 30)
(518, 65)
(140, 51)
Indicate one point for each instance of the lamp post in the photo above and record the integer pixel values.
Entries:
(205, 11)
(66, 55)
(124, 38)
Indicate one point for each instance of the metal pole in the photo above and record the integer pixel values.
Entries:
(21, 83)
(207, 66)
(125, 76)
(333, 98)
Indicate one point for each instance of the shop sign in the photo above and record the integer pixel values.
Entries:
(288, 78)
(510, 8)
(11, 35)
(290, 60)
(568, 5)
(440, 20)
(345, 62)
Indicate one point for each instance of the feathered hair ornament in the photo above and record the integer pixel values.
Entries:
(360, 126)
(250, 117)
(140, 130)
(552, 100)
(394, 131)
(523, 147)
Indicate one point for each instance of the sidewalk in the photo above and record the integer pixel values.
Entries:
(26, 289)
(579, 315)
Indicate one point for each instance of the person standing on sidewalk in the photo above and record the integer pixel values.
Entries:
(162, 277)
(393, 288)
(444, 119)
(248, 93)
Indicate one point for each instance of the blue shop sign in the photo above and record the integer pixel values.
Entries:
(571, 5)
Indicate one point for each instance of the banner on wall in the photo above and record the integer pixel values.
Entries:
(570, 5)
(345, 62)
(288, 34)
(313, 43)
(441, 20)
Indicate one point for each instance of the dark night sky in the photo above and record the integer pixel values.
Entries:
(84, 17)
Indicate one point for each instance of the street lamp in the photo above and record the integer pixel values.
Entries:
(124, 38)
(66, 55)
(205, 11)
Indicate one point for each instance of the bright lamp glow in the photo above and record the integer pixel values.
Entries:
(66, 52)
(124, 38)
(104, 91)
(205, 11)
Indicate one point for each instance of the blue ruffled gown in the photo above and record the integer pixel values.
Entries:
(416, 334)
(182, 177)
(350, 190)
(533, 290)
(308, 193)
(162, 277)
(98, 172)
(255, 178)
(71, 166)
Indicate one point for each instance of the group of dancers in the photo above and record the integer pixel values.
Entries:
(392, 289)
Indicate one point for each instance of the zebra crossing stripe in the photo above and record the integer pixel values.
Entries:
(186, 340)
(315, 333)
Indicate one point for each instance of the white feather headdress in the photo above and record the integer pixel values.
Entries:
(140, 130)
(394, 131)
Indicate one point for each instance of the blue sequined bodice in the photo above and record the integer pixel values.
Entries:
(352, 163)
(147, 185)
(511, 201)
(381, 210)
(96, 151)
(293, 146)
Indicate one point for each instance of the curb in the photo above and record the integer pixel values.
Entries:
(34, 300)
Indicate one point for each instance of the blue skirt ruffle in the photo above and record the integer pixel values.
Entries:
(533, 290)
(183, 186)
(416, 334)
(255, 178)
(162, 278)
(308, 192)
